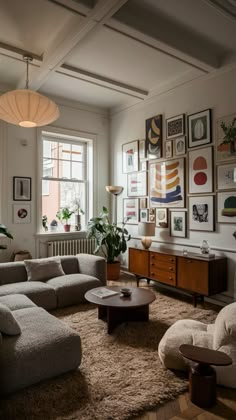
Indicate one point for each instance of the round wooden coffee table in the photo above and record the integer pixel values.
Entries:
(202, 377)
(118, 309)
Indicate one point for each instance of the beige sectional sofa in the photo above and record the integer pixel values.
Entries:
(45, 346)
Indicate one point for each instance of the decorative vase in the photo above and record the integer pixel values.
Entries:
(67, 228)
(205, 248)
(113, 270)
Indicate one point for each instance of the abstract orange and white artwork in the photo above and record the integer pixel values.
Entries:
(200, 171)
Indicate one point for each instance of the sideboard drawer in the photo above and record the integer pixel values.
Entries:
(154, 256)
(163, 276)
(162, 265)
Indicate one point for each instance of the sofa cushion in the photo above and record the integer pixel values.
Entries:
(69, 264)
(44, 268)
(16, 301)
(40, 293)
(71, 288)
(8, 323)
(45, 348)
(12, 272)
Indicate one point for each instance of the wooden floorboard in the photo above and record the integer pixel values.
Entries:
(182, 408)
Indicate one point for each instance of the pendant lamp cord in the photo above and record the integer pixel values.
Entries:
(27, 59)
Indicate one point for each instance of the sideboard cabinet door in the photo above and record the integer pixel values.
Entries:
(193, 275)
(139, 262)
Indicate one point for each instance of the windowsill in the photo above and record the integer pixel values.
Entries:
(47, 234)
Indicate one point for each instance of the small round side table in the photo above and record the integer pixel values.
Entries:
(202, 377)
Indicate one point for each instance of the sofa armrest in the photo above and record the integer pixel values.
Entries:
(93, 266)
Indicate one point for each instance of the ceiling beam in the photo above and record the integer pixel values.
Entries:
(76, 29)
(103, 81)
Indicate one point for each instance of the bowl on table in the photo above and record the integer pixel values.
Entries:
(125, 291)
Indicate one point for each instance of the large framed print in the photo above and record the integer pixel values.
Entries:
(175, 126)
(161, 217)
(201, 213)
(21, 188)
(224, 151)
(200, 170)
(199, 128)
(166, 183)
(178, 224)
(154, 137)
(137, 184)
(226, 176)
(131, 210)
(130, 156)
(226, 207)
(21, 213)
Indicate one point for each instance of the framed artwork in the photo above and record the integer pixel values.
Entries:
(169, 149)
(144, 215)
(178, 226)
(131, 210)
(161, 217)
(143, 164)
(21, 213)
(226, 207)
(142, 150)
(154, 137)
(200, 170)
(152, 211)
(175, 126)
(137, 184)
(143, 203)
(180, 146)
(226, 176)
(21, 188)
(199, 128)
(130, 156)
(224, 151)
(166, 183)
(201, 213)
(151, 217)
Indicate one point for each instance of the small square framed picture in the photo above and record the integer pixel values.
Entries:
(201, 213)
(143, 203)
(178, 226)
(161, 217)
(199, 128)
(144, 215)
(21, 213)
(168, 149)
(151, 217)
(152, 211)
(226, 176)
(21, 188)
(226, 207)
(180, 146)
(175, 126)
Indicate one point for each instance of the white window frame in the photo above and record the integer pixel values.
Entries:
(63, 135)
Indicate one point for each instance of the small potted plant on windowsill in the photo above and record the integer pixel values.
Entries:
(65, 214)
(111, 241)
(4, 231)
(78, 211)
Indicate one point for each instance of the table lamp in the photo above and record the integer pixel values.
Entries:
(146, 229)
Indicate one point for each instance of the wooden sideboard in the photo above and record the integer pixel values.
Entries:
(192, 272)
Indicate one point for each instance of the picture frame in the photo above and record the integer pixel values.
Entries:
(161, 217)
(151, 218)
(21, 213)
(143, 165)
(21, 188)
(154, 137)
(144, 215)
(142, 149)
(143, 203)
(175, 126)
(130, 157)
(223, 151)
(200, 170)
(178, 225)
(152, 211)
(199, 128)
(226, 207)
(226, 176)
(137, 184)
(180, 146)
(167, 183)
(201, 213)
(131, 210)
(168, 149)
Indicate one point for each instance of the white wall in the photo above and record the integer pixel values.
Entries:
(217, 92)
(19, 160)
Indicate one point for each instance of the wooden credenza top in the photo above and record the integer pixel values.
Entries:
(166, 251)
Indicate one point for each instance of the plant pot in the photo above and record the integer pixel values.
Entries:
(113, 270)
(67, 228)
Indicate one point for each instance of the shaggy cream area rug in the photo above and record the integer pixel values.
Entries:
(120, 375)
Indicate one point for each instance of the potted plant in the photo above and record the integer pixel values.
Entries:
(230, 135)
(4, 231)
(78, 211)
(65, 214)
(111, 241)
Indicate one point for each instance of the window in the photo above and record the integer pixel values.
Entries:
(66, 176)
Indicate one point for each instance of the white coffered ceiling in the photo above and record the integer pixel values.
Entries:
(112, 53)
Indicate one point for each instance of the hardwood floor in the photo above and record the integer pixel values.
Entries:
(182, 407)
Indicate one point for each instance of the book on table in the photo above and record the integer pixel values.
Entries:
(103, 292)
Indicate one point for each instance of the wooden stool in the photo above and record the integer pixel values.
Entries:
(202, 377)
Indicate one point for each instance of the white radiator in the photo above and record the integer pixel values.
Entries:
(71, 247)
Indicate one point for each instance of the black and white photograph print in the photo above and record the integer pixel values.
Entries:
(201, 213)
(199, 128)
(21, 188)
(178, 223)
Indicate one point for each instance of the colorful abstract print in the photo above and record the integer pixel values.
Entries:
(166, 187)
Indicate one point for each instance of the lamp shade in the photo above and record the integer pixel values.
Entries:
(146, 229)
(114, 189)
(27, 108)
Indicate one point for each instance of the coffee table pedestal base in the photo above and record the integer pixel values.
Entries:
(202, 385)
(116, 316)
